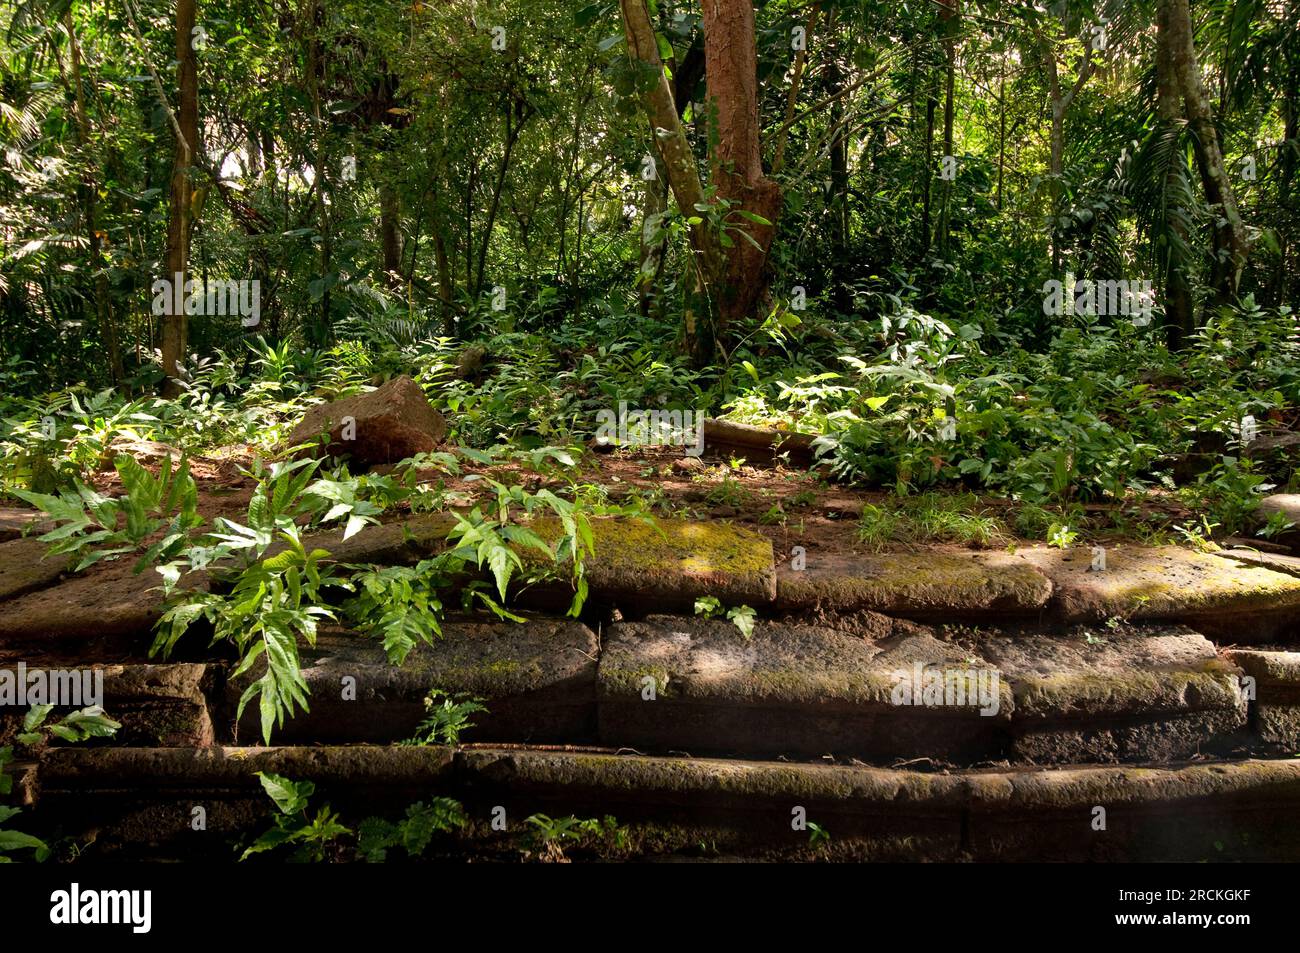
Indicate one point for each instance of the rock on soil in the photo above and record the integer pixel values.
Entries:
(388, 424)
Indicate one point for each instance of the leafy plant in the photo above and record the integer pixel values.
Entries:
(741, 616)
(95, 527)
(551, 836)
(377, 836)
(313, 836)
(448, 716)
(81, 725)
(273, 602)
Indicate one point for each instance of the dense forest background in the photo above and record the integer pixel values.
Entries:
(843, 217)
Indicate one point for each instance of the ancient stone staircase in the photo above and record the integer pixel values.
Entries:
(930, 706)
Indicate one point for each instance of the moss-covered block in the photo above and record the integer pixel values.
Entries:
(1222, 597)
(671, 562)
(1276, 705)
(1148, 694)
(936, 585)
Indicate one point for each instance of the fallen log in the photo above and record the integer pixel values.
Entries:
(758, 445)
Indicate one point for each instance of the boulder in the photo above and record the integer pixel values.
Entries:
(388, 424)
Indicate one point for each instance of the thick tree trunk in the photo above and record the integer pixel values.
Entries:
(1230, 242)
(180, 219)
(731, 71)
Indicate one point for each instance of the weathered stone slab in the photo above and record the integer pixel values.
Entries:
(1213, 811)
(1217, 811)
(164, 705)
(537, 680)
(793, 690)
(671, 563)
(1221, 597)
(1276, 708)
(1279, 562)
(100, 614)
(24, 566)
(938, 586)
(1122, 695)
(140, 801)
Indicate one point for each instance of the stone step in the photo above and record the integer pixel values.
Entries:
(1230, 599)
(1238, 599)
(1130, 694)
(537, 680)
(162, 705)
(1275, 714)
(682, 684)
(142, 802)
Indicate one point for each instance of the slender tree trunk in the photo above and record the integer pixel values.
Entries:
(180, 219)
(927, 171)
(838, 200)
(1179, 322)
(654, 202)
(516, 116)
(949, 18)
(390, 234)
(321, 162)
(678, 162)
(1230, 241)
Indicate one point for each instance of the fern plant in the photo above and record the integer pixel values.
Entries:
(94, 527)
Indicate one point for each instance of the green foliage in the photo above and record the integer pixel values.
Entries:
(81, 725)
(928, 518)
(447, 717)
(94, 527)
(552, 836)
(413, 833)
(741, 616)
(314, 837)
(273, 603)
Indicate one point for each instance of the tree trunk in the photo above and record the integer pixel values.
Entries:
(321, 161)
(1179, 321)
(390, 235)
(678, 163)
(731, 71)
(180, 220)
(1230, 242)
